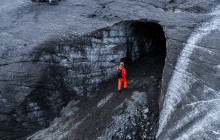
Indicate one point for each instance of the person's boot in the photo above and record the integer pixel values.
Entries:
(119, 91)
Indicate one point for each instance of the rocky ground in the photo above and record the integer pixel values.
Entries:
(110, 115)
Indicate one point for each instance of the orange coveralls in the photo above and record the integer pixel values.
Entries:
(120, 80)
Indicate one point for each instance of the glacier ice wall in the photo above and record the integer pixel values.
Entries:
(191, 105)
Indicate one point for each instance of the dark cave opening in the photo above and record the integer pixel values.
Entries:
(146, 45)
(145, 39)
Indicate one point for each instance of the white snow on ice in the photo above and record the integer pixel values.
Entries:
(105, 100)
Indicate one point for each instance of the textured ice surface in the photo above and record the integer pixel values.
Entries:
(191, 106)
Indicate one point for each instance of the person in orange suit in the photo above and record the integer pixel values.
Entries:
(121, 71)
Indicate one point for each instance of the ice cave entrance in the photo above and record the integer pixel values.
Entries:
(146, 53)
(144, 39)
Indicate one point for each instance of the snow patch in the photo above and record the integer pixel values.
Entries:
(104, 101)
(146, 110)
(216, 133)
(218, 67)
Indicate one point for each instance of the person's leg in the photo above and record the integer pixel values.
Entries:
(119, 84)
(125, 83)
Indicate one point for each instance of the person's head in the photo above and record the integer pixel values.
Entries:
(122, 64)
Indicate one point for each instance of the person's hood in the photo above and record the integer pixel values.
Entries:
(121, 67)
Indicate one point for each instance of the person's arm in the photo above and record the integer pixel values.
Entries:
(125, 73)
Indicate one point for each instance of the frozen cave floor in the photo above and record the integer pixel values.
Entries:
(106, 114)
